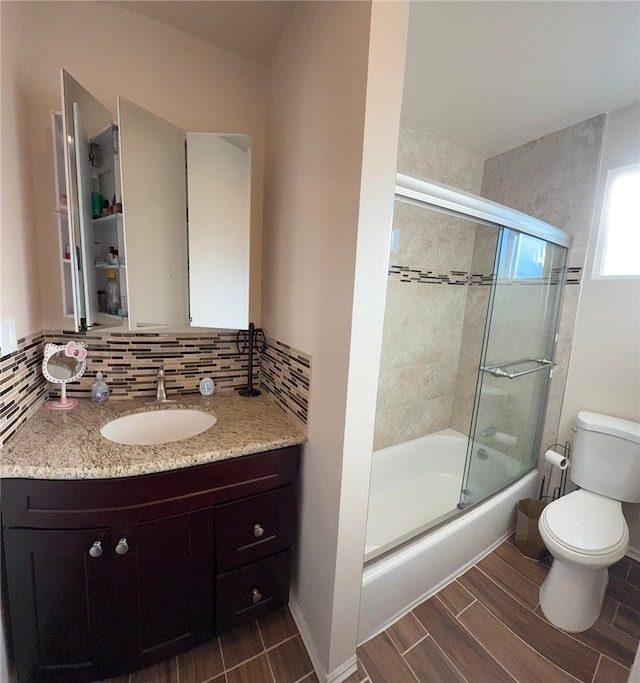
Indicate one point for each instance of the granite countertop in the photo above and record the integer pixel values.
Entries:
(68, 445)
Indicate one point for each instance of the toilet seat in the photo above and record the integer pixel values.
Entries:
(586, 523)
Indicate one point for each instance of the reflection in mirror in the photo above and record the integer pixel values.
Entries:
(152, 158)
(62, 364)
(219, 187)
(209, 285)
(167, 261)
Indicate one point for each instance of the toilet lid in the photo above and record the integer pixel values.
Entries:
(586, 522)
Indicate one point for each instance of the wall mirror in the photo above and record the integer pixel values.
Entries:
(63, 363)
(179, 250)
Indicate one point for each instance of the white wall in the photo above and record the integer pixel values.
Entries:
(111, 52)
(604, 370)
(320, 225)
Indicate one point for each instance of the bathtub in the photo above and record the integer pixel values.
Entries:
(416, 485)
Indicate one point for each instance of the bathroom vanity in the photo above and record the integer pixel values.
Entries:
(107, 575)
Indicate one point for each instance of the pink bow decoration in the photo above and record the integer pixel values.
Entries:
(76, 351)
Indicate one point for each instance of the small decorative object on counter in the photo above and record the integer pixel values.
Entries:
(100, 389)
(63, 364)
(253, 340)
(207, 386)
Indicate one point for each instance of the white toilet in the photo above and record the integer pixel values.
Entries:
(585, 531)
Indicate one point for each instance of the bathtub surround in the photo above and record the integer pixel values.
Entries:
(554, 178)
(473, 328)
(425, 155)
(430, 271)
(428, 382)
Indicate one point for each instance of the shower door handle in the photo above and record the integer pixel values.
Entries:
(500, 372)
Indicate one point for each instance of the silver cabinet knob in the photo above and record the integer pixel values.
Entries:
(256, 595)
(123, 547)
(96, 549)
(257, 530)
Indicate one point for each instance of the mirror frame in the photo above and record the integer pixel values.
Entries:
(71, 349)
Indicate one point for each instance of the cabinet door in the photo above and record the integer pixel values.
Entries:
(163, 597)
(59, 602)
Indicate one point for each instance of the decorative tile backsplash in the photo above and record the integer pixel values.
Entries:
(285, 374)
(130, 361)
(23, 388)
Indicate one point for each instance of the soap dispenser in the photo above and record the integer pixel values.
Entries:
(100, 389)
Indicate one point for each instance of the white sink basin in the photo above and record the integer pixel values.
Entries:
(157, 426)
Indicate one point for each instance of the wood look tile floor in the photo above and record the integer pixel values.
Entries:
(485, 627)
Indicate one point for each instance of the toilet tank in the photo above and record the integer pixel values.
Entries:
(606, 456)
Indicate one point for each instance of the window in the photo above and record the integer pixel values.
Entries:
(618, 246)
(521, 256)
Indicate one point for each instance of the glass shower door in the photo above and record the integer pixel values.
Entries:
(516, 364)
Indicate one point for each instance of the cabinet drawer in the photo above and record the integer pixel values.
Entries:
(252, 528)
(76, 504)
(247, 593)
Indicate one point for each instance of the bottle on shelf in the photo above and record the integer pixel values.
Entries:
(113, 294)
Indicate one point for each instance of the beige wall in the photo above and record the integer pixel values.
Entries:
(19, 271)
(111, 52)
(604, 371)
(322, 240)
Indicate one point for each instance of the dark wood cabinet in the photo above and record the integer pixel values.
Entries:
(109, 576)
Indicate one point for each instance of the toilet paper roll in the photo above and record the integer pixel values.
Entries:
(556, 459)
(508, 439)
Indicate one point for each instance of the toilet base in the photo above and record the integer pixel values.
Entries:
(571, 598)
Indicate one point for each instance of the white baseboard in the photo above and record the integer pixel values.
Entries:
(340, 673)
(634, 554)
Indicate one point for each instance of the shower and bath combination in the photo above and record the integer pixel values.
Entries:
(482, 286)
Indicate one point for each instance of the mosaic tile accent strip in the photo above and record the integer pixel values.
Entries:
(574, 275)
(398, 273)
(22, 386)
(406, 274)
(285, 374)
(130, 361)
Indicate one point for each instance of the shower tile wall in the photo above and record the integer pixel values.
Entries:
(428, 282)
(424, 155)
(475, 316)
(554, 179)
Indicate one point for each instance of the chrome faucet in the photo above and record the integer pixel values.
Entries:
(161, 392)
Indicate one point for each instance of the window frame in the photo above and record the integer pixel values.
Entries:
(602, 235)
